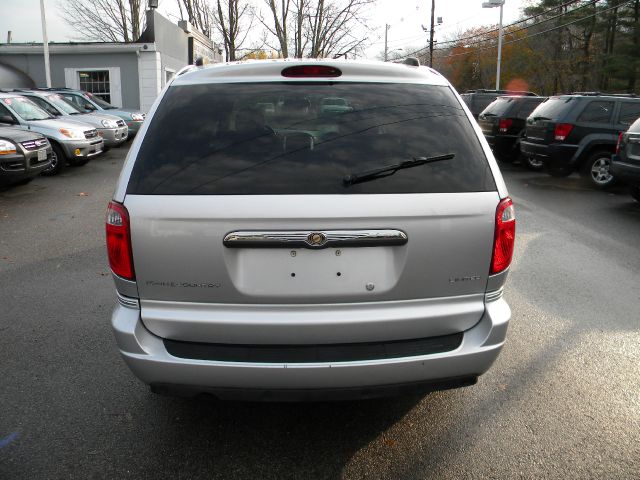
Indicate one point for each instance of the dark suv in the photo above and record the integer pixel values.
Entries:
(503, 123)
(579, 132)
(478, 100)
(625, 164)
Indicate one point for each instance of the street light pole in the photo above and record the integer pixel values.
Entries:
(499, 49)
(492, 4)
(45, 44)
(386, 48)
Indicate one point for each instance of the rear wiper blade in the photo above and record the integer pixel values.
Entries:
(535, 119)
(382, 172)
(489, 114)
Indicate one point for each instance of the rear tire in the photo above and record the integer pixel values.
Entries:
(58, 161)
(635, 192)
(596, 169)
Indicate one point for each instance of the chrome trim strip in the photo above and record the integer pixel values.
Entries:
(493, 296)
(315, 239)
(127, 301)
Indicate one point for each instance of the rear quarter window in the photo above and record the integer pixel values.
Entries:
(296, 138)
(597, 112)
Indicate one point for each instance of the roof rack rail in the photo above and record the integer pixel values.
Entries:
(504, 92)
(51, 89)
(604, 94)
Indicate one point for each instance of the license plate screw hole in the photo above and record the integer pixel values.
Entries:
(338, 274)
(293, 274)
(293, 253)
(370, 286)
(338, 253)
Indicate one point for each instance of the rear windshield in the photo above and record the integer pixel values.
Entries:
(553, 109)
(498, 107)
(307, 138)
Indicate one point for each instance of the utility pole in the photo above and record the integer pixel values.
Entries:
(386, 48)
(433, 9)
(45, 44)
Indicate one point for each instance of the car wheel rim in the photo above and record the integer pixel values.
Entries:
(600, 171)
(54, 161)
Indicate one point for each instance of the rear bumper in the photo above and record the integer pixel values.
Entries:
(625, 171)
(147, 357)
(554, 154)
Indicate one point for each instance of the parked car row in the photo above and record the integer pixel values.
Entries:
(43, 130)
(562, 134)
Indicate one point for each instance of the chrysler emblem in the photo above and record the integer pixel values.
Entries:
(316, 239)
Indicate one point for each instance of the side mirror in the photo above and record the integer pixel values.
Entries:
(7, 119)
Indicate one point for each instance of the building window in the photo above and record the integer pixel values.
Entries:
(96, 82)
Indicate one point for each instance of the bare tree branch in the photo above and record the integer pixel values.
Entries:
(105, 20)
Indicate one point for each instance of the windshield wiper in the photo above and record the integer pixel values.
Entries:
(382, 172)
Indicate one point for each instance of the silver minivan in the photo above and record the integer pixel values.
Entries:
(295, 252)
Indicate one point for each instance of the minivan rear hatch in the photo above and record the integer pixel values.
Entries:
(243, 201)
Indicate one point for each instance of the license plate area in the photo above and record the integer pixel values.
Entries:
(42, 155)
(303, 272)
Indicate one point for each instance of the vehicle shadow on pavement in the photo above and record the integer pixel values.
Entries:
(269, 440)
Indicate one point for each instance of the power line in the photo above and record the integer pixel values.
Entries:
(421, 50)
(540, 33)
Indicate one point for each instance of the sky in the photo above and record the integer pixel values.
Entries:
(405, 18)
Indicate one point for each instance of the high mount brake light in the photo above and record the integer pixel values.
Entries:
(119, 241)
(317, 71)
(505, 236)
(562, 131)
(505, 124)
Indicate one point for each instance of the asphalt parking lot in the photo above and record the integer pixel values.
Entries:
(562, 401)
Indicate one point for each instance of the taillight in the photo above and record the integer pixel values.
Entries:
(619, 142)
(119, 241)
(562, 131)
(505, 236)
(301, 71)
(505, 124)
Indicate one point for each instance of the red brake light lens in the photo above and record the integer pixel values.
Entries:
(302, 71)
(505, 124)
(119, 241)
(619, 142)
(562, 131)
(505, 236)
